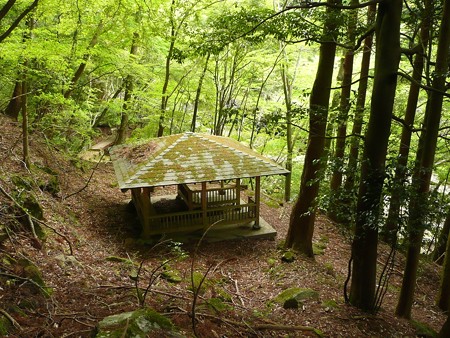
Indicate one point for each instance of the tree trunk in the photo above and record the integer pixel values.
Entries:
(82, 66)
(121, 132)
(287, 90)
(198, 92)
(301, 225)
(445, 331)
(5, 9)
(389, 234)
(25, 130)
(164, 96)
(443, 300)
(439, 251)
(99, 119)
(336, 212)
(364, 246)
(15, 104)
(422, 176)
(353, 156)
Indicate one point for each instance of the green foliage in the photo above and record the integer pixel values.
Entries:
(140, 323)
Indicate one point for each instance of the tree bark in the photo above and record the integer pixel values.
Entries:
(301, 225)
(418, 209)
(389, 233)
(364, 246)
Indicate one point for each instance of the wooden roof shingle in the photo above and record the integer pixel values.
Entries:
(188, 158)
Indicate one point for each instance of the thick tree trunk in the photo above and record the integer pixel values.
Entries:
(364, 246)
(421, 179)
(301, 226)
(389, 233)
(15, 104)
(121, 132)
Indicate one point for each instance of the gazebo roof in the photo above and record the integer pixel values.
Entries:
(188, 158)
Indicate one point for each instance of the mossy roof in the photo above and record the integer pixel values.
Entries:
(188, 158)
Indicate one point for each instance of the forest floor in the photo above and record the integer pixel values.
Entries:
(92, 253)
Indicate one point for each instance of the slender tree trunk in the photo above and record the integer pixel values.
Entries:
(198, 92)
(252, 135)
(164, 96)
(439, 251)
(390, 229)
(82, 66)
(105, 110)
(336, 212)
(355, 142)
(25, 130)
(290, 140)
(418, 209)
(121, 132)
(301, 226)
(364, 246)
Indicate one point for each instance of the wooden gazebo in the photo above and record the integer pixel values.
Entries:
(207, 171)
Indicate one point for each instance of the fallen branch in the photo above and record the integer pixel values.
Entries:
(24, 279)
(59, 234)
(11, 319)
(269, 327)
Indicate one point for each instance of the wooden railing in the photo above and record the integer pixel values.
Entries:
(193, 220)
(214, 196)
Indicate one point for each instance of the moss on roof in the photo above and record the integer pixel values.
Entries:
(188, 158)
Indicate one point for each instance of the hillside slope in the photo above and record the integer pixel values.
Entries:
(90, 262)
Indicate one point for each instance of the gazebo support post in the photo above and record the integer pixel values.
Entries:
(238, 191)
(256, 226)
(204, 206)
